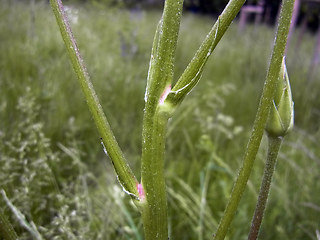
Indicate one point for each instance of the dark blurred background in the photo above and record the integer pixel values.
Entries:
(309, 10)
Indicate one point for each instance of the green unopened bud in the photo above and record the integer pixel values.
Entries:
(281, 116)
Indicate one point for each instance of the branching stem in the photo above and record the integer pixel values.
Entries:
(161, 101)
(192, 74)
(260, 120)
(154, 206)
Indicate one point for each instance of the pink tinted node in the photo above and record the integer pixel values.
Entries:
(165, 94)
(141, 191)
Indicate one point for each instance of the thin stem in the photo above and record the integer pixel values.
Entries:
(154, 205)
(29, 226)
(260, 120)
(122, 169)
(6, 229)
(192, 74)
(273, 150)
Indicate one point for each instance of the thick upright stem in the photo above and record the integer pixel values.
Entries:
(154, 213)
(273, 150)
(154, 200)
(261, 119)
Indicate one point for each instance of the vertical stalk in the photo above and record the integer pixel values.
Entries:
(154, 200)
(260, 120)
(154, 213)
(273, 150)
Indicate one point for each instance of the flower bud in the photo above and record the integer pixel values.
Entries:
(281, 115)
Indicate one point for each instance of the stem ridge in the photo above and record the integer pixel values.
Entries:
(121, 167)
(273, 150)
(260, 120)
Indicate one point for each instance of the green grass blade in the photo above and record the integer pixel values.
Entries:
(29, 226)
(6, 229)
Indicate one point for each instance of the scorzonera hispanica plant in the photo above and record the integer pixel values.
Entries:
(161, 100)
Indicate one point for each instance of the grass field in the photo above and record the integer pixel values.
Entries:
(53, 168)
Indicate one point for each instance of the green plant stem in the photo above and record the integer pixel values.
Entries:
(6, 229)
(273, 150)
(160, 77)
(154, 213)
(260, 120)
(122, 169)
(154, 203)
(192, 74)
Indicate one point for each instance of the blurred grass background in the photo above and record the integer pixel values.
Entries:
(53, 168)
